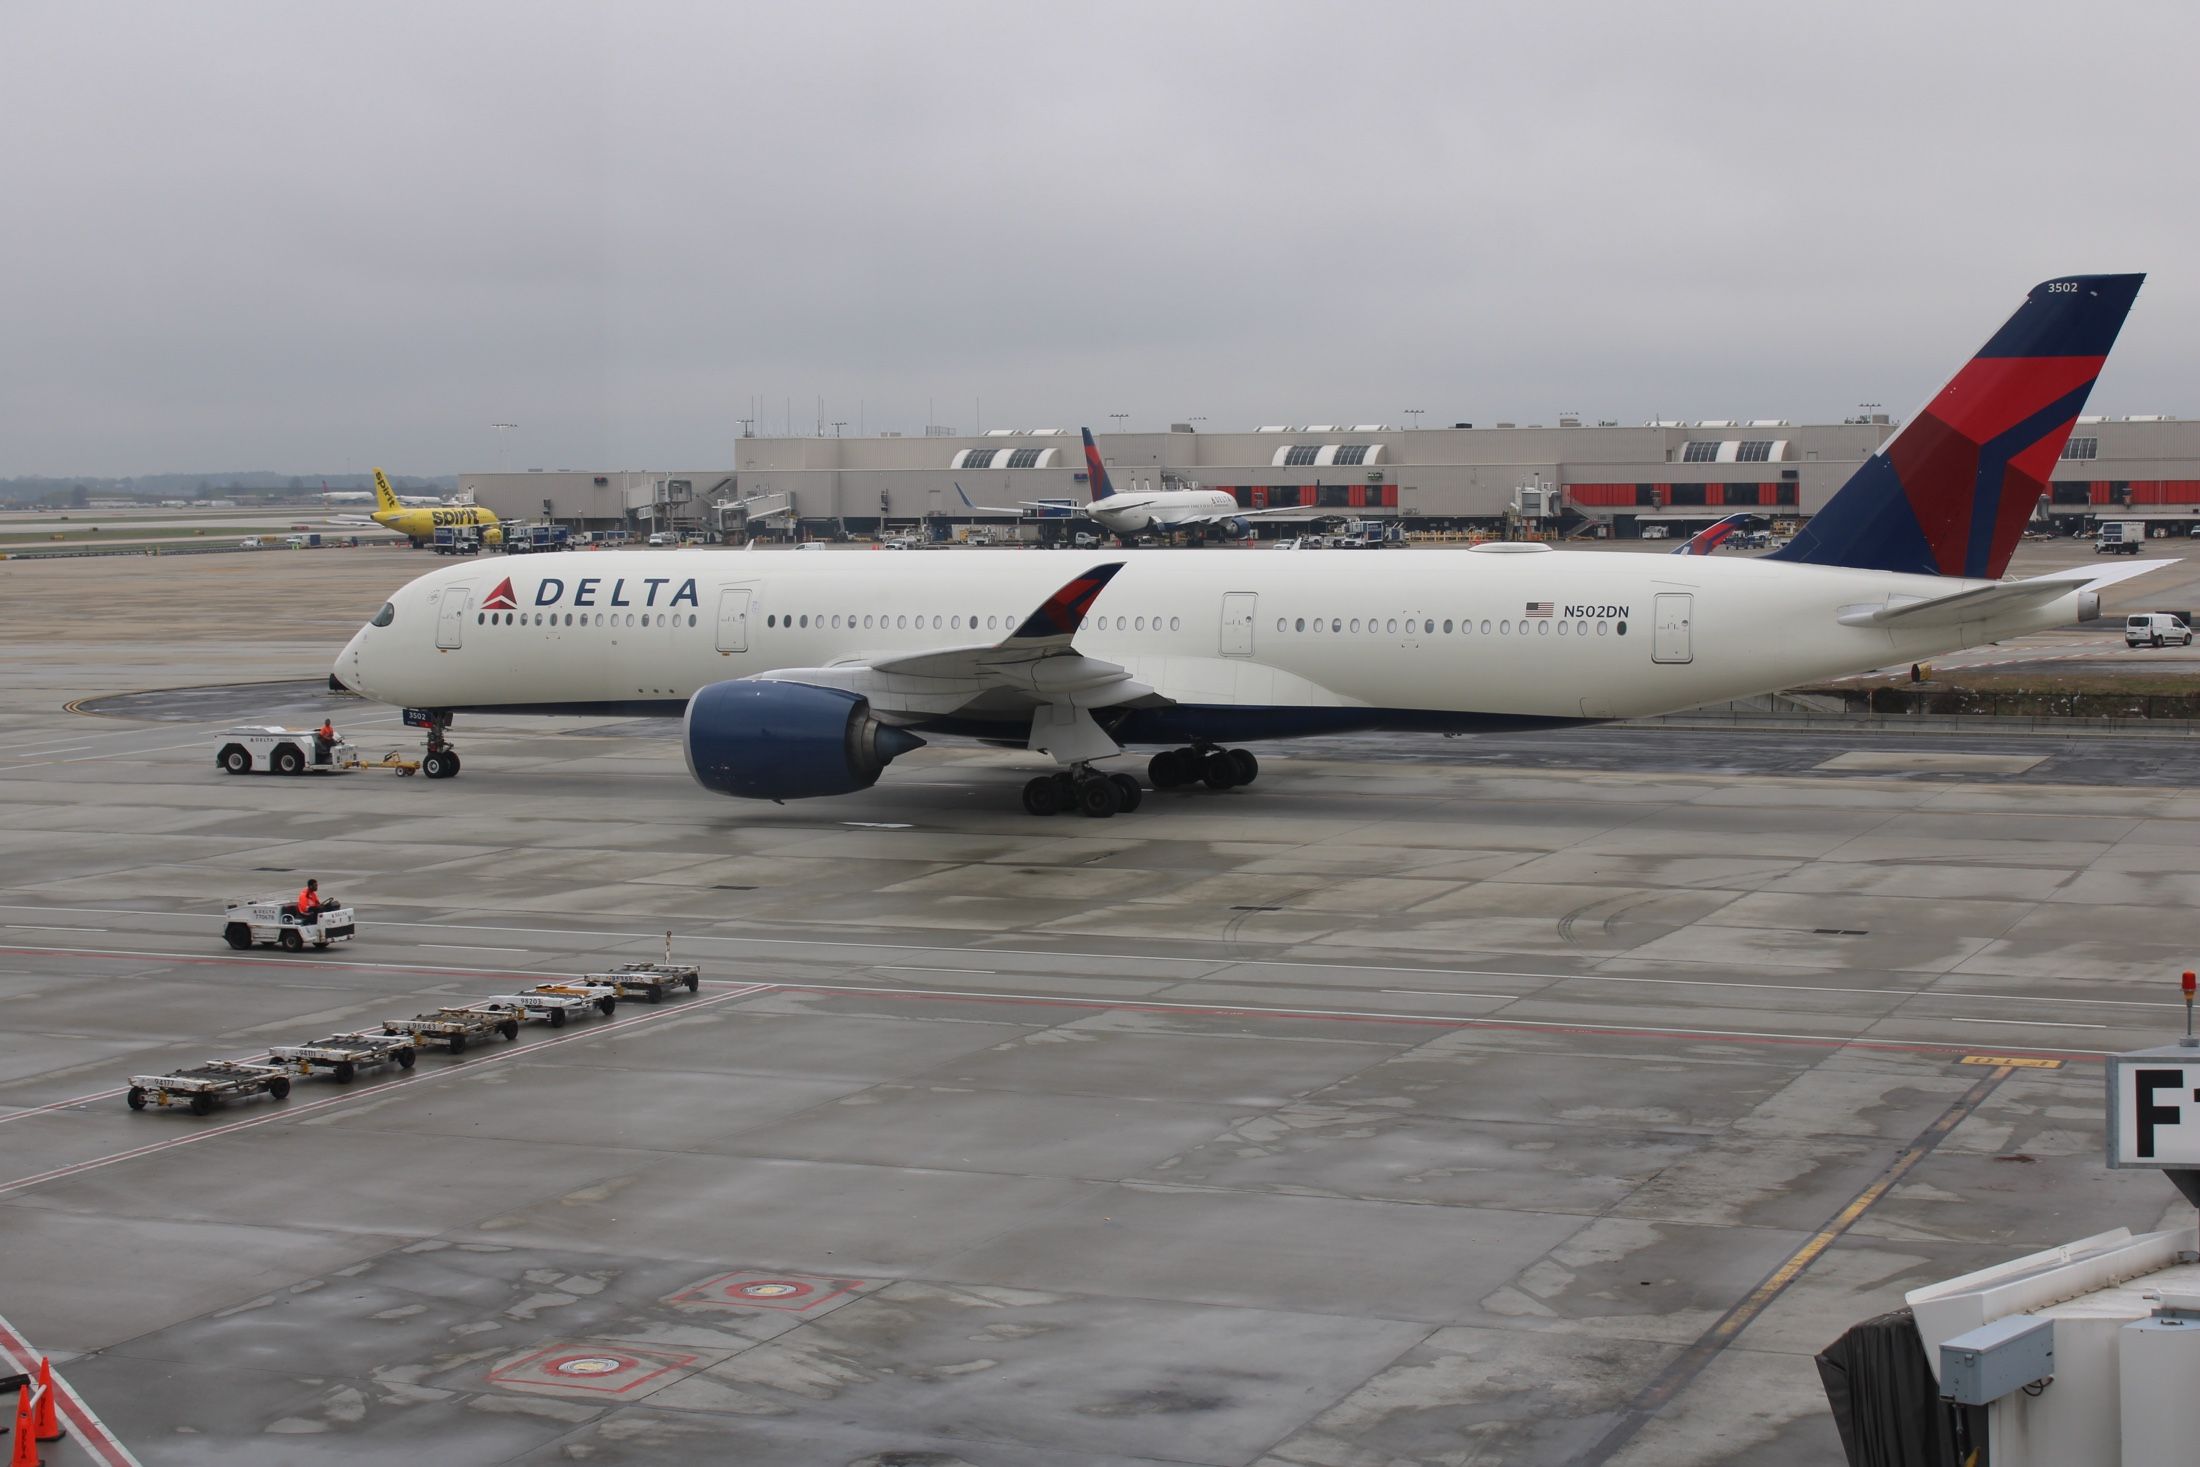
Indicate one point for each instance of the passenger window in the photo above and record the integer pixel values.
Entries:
(1176, 624)
(1542, 628)
(1602, 628)
(989, 623)
(1281, 624)
(1355, 623)
(1447, 626)
(1619, 629)
(1393, 624)
(1562, 628)
(1317, 626)
(1504, 628)
(479, 618)
(1302, 624)
(901, 622)
(772, 620)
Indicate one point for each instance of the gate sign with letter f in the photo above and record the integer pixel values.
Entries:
(2154, 1108)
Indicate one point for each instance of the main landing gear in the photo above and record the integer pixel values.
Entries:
(1086, 790)
(1097, 794)
(1218, 769)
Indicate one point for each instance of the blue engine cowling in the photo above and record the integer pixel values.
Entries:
(1238, 526)
(763, 740)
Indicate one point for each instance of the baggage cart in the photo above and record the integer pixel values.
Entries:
(455, 1028)
(201, 1086)
(344, 1055)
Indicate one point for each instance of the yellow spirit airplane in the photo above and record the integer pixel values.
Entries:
(420, 524)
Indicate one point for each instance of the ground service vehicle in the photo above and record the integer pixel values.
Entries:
(2156, 629)
(2118, 537)
(274, 922)
(280, 750)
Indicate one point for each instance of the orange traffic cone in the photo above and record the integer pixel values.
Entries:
(47, 1425)
(25, 1452)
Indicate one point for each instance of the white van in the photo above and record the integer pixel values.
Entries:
(2156, 629)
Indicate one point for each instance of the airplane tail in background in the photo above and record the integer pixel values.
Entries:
(1711, 537)
(385, 497)
(1949, 495)
(1095, 470)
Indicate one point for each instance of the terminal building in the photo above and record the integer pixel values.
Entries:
(1567, 478)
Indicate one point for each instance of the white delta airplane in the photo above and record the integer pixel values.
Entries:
(1167, 512)
(798, 676)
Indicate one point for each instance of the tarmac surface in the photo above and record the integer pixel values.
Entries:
(1450, 1101)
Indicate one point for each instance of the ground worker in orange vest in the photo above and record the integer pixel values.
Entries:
(309, 900)
(324, 742)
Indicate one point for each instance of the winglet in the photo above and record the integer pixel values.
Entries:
(1059, 614)
(965, 497)
(1095, 470)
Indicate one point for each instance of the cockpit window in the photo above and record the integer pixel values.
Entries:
(385, 616)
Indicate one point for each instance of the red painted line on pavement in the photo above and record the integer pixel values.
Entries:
(1442, 1021)
(88, 1430)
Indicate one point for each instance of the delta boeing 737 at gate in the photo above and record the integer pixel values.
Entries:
(804, 675)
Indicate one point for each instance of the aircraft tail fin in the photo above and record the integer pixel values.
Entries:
(385, 498)
(1095, 470)
(1949, 495)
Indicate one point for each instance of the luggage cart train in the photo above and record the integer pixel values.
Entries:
(397, 1043)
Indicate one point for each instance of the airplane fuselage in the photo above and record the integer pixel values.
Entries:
(1131, 514)
(1238, 645)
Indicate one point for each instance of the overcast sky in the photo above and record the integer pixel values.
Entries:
(310, 237)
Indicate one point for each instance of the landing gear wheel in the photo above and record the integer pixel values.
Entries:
(1042, 796)
(279, 1087)
(1098, 798)
(405, 1059)
(235, 760)
(237, 935)
(1218, 771)
(1133, 793)
(344, 1071)
(1166, 769)
(202, 1105)
(287, 760)
(1248, 768)
(136, 1098)
(557, 1018)
(456, 762)
(439, 764)
(291, 941)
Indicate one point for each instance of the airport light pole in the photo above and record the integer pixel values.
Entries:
(1415, 414)
(1119, 417)
(501, 430)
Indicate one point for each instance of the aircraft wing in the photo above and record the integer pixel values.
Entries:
(1034, 666)
(1984, 603)
(1303, 511)
(1016, 509)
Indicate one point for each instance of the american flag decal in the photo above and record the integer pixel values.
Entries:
(1538, 608)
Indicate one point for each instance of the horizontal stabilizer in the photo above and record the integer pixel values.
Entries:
(1985, 603)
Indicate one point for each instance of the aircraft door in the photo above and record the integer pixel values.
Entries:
(1670, 637)
(450, 616)
(733, 619)
(1238, 610)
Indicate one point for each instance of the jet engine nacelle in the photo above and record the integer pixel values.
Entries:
(1238, 526)
(764, 740)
